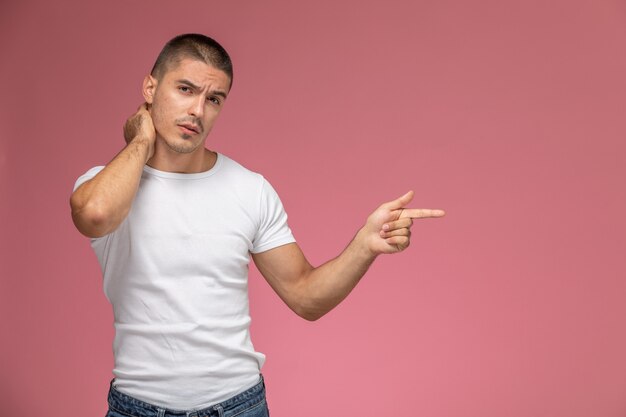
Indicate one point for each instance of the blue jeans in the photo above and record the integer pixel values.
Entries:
(250, 403)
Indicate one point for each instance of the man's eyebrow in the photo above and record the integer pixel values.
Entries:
(189, 83)
(220, 93)
(192, 85)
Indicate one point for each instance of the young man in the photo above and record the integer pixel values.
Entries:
(173, 225)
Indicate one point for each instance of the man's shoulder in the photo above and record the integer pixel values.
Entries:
(232, 167)
(87, 176)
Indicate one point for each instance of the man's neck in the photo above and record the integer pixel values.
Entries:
(198, 161)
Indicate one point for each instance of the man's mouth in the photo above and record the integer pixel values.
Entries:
(191, 129)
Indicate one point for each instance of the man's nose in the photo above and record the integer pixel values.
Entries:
(197, 107)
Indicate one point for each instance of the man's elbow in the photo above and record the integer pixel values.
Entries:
(309, 316)
(90, 219)
(309, 313)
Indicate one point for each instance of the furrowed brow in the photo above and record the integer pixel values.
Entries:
(196, 87)
(188, 83)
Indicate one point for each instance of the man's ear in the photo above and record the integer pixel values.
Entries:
(149, 87)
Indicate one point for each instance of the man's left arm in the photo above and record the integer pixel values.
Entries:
(312, 292)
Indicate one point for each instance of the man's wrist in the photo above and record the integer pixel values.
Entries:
(362, 246)
(143, 145)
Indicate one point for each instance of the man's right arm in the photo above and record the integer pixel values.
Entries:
(102, 203)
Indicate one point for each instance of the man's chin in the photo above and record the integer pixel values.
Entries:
(183, 145)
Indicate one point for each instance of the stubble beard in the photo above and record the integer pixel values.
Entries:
(188, 146)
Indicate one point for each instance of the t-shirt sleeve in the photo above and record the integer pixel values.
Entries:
(87, 176)
(273, 229)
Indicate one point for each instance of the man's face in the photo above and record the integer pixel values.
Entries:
(185, 103)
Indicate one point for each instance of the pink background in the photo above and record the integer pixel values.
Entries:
(508, 114)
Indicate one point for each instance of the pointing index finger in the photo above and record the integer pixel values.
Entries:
(421, 213)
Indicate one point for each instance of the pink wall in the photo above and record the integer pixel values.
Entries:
(508, 114)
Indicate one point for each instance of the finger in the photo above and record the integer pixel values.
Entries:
(398, 224)
(398, 232)
(401, 242)
(399, 202)
(422, 213)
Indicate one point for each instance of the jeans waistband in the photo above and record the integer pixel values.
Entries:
(131, 406)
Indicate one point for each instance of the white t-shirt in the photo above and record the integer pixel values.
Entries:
(176, 274)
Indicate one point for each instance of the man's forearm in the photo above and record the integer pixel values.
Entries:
(312, 292)
(102, 203)
(326, 286)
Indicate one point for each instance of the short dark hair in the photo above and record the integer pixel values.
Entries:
(194, 46)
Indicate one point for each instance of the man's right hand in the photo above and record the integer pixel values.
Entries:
(139, 127)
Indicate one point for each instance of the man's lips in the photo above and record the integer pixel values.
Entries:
(192, 128)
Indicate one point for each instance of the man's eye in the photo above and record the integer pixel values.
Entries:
(183, 89)
(214, 100)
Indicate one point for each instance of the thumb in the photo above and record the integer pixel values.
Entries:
(400, 201)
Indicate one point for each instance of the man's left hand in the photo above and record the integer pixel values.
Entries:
(388, 228)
